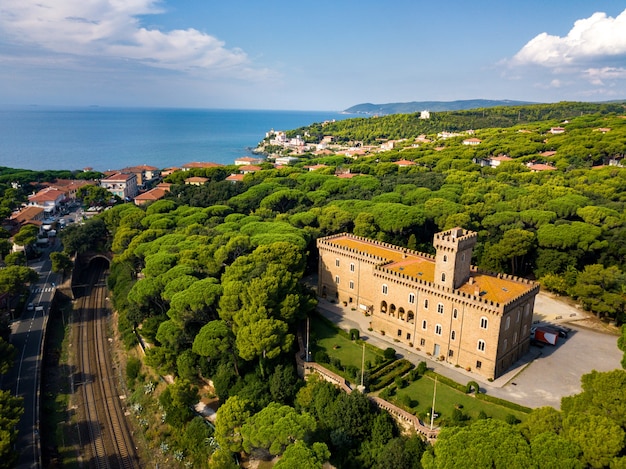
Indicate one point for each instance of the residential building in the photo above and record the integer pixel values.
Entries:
(152, 195)
(200, 165)
(247, 160)
(196, 180)
(50, 199)
(440, 305)
(146, 175)
(123, 185)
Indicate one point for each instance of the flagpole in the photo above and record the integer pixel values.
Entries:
(432, 412)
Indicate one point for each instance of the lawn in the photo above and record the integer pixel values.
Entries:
(447, 399)
(326, 337)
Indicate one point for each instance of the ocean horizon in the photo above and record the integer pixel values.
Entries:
(109, 138)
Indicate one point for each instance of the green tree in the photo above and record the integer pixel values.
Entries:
(231, 416)
(274, 428)
(177, 400)
(7, 355)
(27, 235)
(599, 289)
(600, 438)
(551, 451)
(15, 279)
(12, 410)
(542, 420)
(301, 456)
(486, 443)
(61, 262)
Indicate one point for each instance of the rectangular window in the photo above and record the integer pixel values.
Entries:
(408, 336)
(424, 324)
(351, 285)
(422, 342)
(337, 279)
(479, 364)
(385, 289)
(426, 303)
(440, 308)
(399, 332)
(336, 262)
(411, 298)
(450, 353)
(438, 329)
(455, 313)
(351, 267)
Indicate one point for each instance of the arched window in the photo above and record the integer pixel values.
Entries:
(483, 322)
(514, 338)
(505, 345)
(481, 345)
(445, 258)
(438, 329)
(424, 324)
(455, 313)
(443, 277)
(410, 317)
(440, 308)
(383, 307)
(453, 335)
(401, 313)
(426, 303)
(507, 323)
(392, 310)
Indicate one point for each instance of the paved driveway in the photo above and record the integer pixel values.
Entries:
(544, 375)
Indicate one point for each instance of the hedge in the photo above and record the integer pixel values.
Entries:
(402, 367)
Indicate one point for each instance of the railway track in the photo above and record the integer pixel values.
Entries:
(105, 440)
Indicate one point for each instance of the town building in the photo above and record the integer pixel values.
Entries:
(50, 199)
(147, 175)
(123, 185)
(441, 305)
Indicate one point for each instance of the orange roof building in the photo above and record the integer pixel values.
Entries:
(201, 165)
(440, 305)
(196, 180)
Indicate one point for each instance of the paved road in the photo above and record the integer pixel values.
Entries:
(541, 378)
(24, 378)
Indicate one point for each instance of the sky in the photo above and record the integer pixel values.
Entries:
(323, 55)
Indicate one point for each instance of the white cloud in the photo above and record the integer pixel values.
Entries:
(599, 76)
(598, 37)
(112, 30)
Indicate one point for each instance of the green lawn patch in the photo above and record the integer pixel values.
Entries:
(328, 338)
(420, 395)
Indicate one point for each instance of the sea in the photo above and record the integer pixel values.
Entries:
(102, 138)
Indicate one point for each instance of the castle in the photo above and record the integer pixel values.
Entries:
(440, 305)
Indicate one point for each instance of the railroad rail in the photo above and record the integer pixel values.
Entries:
(105, 439)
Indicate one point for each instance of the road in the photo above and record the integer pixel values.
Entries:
(24, 379)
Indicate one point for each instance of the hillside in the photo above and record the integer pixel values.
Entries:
(370, 109)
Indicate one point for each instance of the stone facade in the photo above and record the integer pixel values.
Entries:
(440, 305)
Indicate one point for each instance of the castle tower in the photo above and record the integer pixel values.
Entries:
(454, 256)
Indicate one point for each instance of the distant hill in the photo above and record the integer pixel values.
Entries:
(370, 109)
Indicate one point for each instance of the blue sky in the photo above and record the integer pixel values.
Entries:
(323, 55)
